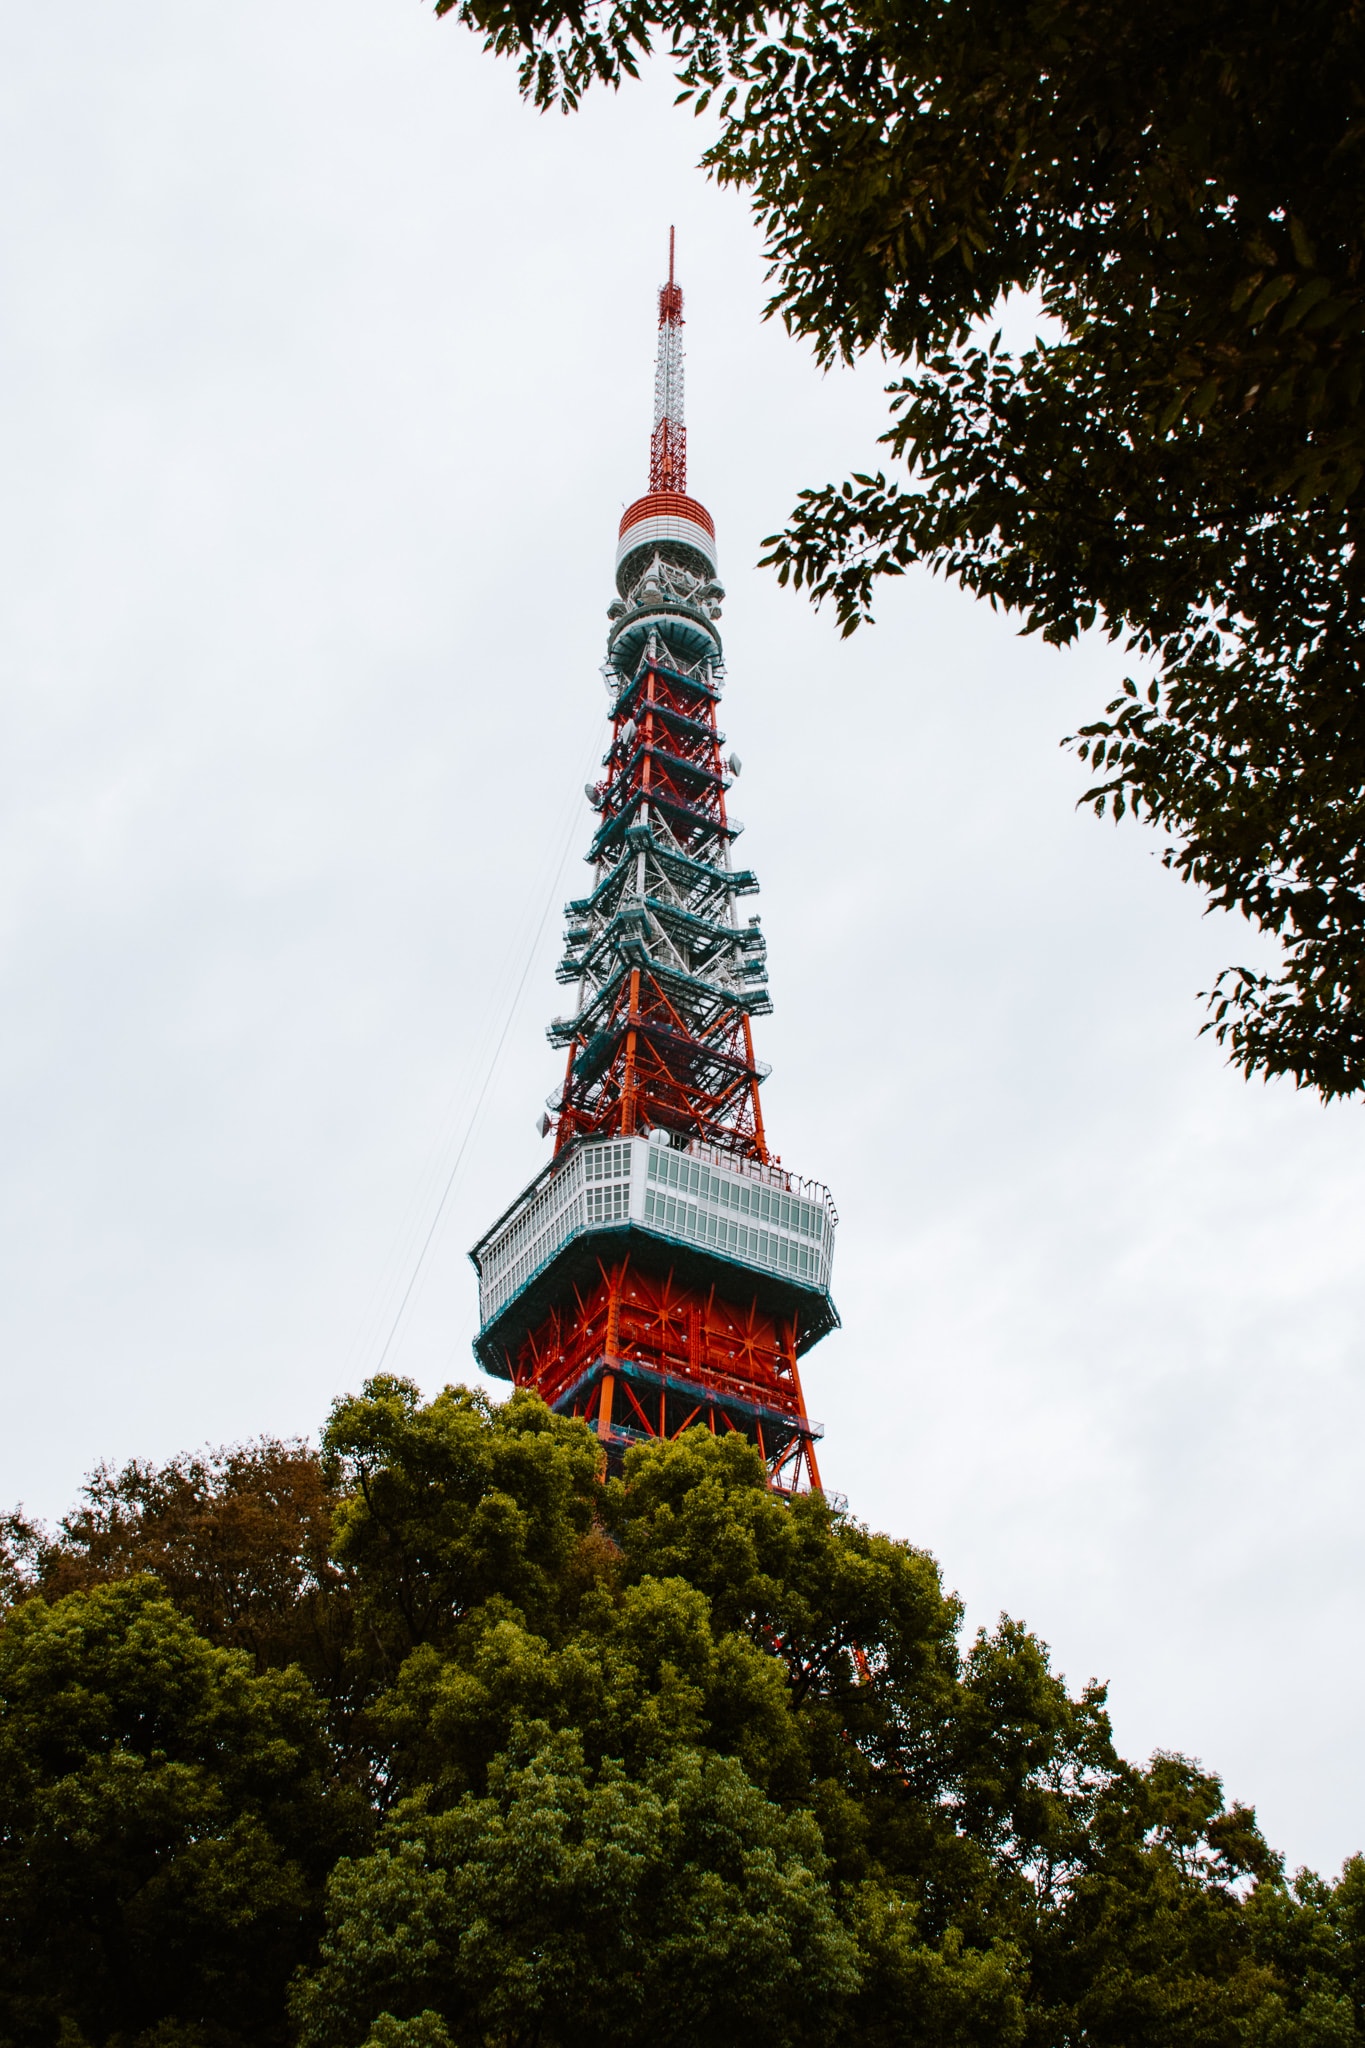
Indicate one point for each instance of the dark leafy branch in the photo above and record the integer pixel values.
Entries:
(1182, 462)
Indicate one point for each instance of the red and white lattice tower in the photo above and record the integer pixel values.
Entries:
(664, 1271)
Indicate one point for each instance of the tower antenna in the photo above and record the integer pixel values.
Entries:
(668, 447)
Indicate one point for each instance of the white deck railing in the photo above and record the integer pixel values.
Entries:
(759, 1216)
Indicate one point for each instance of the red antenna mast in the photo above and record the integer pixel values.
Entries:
(668, 448)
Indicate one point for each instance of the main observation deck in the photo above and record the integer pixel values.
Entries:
(645, 1196)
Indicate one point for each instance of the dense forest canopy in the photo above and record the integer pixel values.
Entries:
(433, 1738)
(1180, 457)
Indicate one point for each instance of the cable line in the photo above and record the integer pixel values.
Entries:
(490, 1065)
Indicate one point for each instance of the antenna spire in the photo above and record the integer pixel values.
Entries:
(668, 447)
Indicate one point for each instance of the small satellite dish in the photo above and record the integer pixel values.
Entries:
(545, 1123)
(734, 764)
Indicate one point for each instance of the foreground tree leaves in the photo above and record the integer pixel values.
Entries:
(455, 1503)
(661, 1759)
(166, 1823)
(587, 1908)
(239, 1539)
(1180, 457)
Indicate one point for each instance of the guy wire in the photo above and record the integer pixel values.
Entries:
(494, 1062)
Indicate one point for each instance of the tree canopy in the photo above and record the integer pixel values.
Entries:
(661, 1759)
(1179, 457)
(167, 1822)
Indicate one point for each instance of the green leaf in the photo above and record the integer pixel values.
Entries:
(1270, 296)
(1304, 301)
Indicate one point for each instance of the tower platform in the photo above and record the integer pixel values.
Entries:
(680, 1282)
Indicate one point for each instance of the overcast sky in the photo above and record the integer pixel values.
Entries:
(325, 370)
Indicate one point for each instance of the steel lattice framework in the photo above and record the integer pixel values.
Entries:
(664, 1270)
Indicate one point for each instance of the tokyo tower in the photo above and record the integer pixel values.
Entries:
(664, 1270)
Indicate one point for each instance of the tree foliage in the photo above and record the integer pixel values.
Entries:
(587, 1907)
(1180, 457)
(166, 1826)
(662, 1758)
(239, 1539)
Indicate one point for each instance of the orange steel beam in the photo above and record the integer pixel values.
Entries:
(759, 1139)
(658, 1323)
(629, 1083)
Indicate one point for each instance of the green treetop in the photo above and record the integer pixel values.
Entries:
(664, 1759)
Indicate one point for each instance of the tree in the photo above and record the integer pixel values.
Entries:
(656, 1758)
(580, 1908)
(1180, 457)
(167, 1819)
(1003, 1875)
(450, 1505)
(240, 1540)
